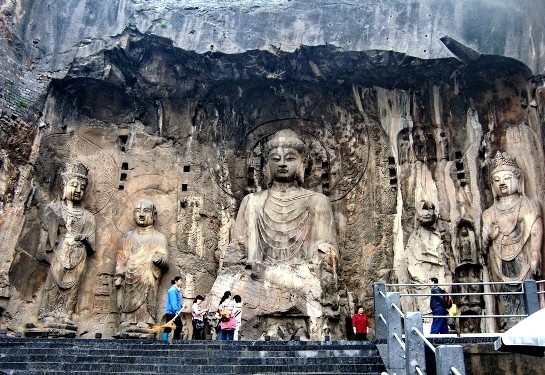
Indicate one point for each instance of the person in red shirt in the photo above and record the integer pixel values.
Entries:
(360, 324)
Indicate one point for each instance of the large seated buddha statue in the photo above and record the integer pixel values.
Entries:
(283, 255)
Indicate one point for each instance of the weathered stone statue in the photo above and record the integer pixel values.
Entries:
(286, 223)
(425, 254)
(68, 237)
(285, 237)
(141, 261)
(512, 233)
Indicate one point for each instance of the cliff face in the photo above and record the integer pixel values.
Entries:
(179, 113)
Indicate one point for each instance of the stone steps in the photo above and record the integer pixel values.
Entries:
(73, 356)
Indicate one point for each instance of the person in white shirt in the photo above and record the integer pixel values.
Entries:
(237, 312)
(197, 315)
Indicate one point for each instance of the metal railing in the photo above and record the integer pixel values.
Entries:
(403, 332)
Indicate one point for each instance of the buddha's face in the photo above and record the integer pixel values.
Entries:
(144, 214)
(74, 188)
(505, 183)
(284, 164)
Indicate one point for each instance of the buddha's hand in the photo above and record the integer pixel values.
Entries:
(158, 259)
(330, 253)
(494, 230)
(118, 280)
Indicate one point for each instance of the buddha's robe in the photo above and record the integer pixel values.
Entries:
(286, 227)
(141, 274)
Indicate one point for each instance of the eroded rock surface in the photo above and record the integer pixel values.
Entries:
(385, 131)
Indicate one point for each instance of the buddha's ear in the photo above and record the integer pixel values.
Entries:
(267, 174)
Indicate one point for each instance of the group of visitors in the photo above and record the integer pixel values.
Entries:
(229, 314)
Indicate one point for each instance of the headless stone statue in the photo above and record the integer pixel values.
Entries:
(512, 234)
(141, 261)
(68, 236)
(285, 235)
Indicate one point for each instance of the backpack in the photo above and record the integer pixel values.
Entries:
(448, 301)
(225, 315)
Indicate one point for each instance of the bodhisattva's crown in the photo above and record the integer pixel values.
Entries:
(75, 169)
(504, 162)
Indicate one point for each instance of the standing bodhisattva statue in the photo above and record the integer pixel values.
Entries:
(512, 233)
(141, 260)
(68, 237)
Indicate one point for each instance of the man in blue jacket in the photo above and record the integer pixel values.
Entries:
(174, 305)
(438, 308)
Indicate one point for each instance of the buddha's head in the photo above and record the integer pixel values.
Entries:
(507, 178)
(74, 181)
(145, 213)
(285, 154)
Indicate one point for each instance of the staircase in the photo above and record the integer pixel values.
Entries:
(146, 357)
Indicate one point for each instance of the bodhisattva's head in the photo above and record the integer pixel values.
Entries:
(425, 213)
(506, 176)
(145, 213)
(74, 181)
(285, 153)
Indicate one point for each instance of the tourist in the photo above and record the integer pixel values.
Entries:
(438, 309)
(225, 309)
(237, 312)
(174, 306)
(197, 315)
(360, 324)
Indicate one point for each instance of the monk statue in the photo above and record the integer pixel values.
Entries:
(284, 239)
(141, 261)
(512, 234)
(68, 237)
(286, 223)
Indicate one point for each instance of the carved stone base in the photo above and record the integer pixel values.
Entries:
(134, 331)
(51, 327)
(49, 332)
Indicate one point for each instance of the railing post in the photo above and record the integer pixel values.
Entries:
(447, 356)
(381, 331)
(531, 298)
(415, 354)
(396, 354)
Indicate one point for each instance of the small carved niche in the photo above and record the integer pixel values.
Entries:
(460, 168)
(392, 171)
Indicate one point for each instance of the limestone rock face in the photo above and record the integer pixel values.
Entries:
(187, 130)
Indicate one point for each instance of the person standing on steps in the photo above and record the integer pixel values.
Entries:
(197, 315)
(174, 305)
(360, 324)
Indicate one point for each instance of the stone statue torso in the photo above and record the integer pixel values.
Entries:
(287, 226)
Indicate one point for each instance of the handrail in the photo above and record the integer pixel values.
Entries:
(449, 358)
(426, 341)
(461, 294)
(398, 310)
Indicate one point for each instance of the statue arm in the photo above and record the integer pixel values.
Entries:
(536, 244)
(122, 257)
(160, 257)
(240, 234)
(326, 242)
(536, 238)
